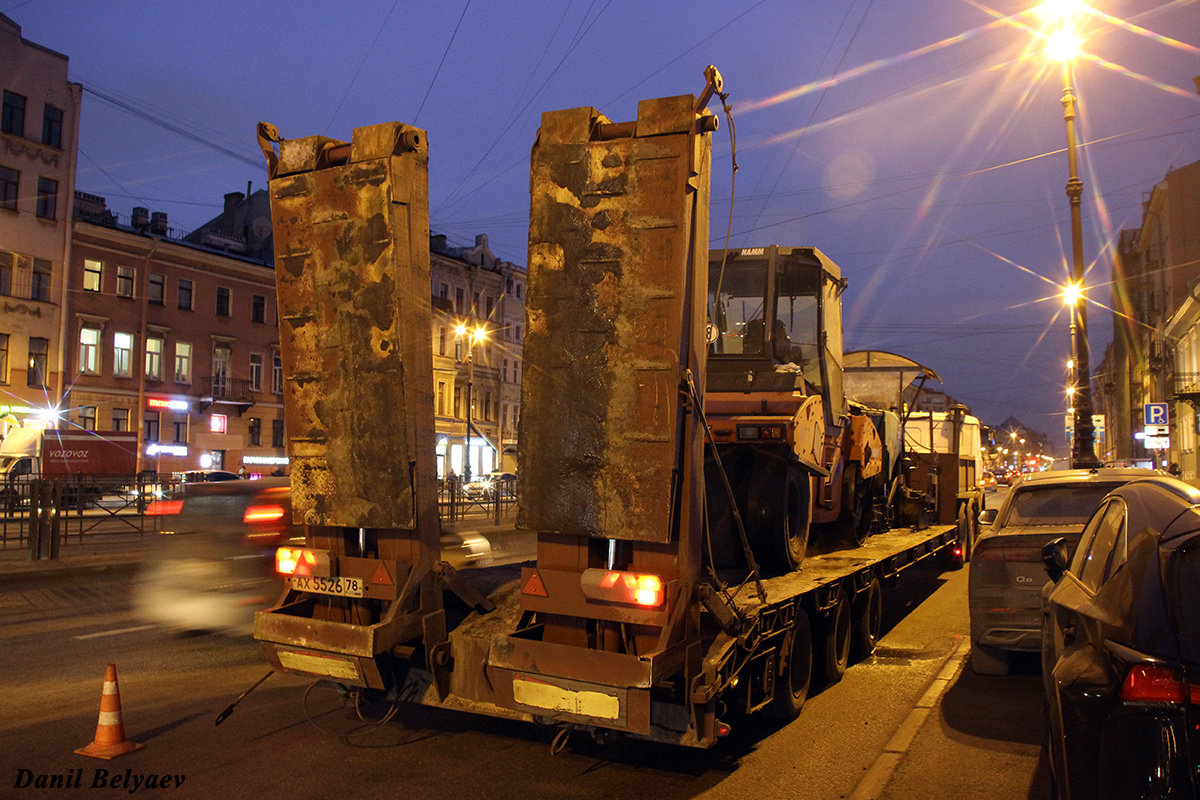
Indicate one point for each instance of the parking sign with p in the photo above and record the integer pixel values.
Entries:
(1155, 413)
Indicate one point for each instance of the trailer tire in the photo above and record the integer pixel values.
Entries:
(778, 522)
(795, 671)
(868, 620)
(965, 540)
(835, 650)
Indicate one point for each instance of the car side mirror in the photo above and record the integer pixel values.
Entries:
(1056, 558)
(988, 516)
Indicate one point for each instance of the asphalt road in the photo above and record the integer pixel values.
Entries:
(909, 722)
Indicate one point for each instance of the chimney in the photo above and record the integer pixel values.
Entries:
(437, 242)
(140, 220)
(229, 216)
(158, 223)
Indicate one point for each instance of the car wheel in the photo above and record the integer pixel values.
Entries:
(986, 660)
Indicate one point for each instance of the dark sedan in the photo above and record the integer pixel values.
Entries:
(1121, 647)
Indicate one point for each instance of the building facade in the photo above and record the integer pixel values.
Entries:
(176, 341)
(1153, 356)
(478, 335)
(39, 130)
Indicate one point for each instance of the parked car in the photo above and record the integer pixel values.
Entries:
(487, 486)
(987, 481)
(1121, 647)
(1006, 580)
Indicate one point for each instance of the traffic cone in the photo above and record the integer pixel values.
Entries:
(110, 739)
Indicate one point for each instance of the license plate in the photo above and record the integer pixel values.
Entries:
(342, 587)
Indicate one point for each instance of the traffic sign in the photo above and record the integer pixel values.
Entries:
(1157, 443)
(1157, 430)
(1155, 413)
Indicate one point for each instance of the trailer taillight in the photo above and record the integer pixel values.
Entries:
(302, 561)
(161, 508)
(263, 514)
(751, 433)
(615, 586)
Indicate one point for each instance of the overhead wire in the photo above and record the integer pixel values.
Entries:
(362, 63)
(445, 53)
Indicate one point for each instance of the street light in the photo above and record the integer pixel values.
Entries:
(1062, 46)
(473, 336)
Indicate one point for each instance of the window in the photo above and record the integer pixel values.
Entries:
(10, 180)
(13, 118)
(47, 198)
(150, 426)
(276, 374)
(442, 342)
(158, 288)
(122, 355)
(441, 399)
(124, 281)
(120, 419)
(52, 119)
(1103, 536)
(458, 350)
(89, 350)
(39, 351)
(220, 376)
(93, 271)
(154, 351)
(87, 418)
(255, 432)
(475, 304)
(256, 372)
(183, 362)
(487, 406)
(458, 301)
(457, 403)
(516, 372)
(258, 308)
(4, 358)
(488, 300)
(6, 271)
(445, 292)
(504, 372)
(518, 290)
(180, 429)
(185, 294)
(520, 331)
(39, 285)
(222, 301)
(276, 433)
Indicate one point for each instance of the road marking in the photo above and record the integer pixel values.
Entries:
(881, 771)
(114, 633)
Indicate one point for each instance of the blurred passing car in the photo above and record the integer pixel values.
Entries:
(988, 481)
(1121, 647)
(1006, 579)
(213, 563)
(504, 483)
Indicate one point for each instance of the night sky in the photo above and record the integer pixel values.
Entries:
(919, 144)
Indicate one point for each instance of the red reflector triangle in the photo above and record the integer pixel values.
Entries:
(534, 586)
(382, 577)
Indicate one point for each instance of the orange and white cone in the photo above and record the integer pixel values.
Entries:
(110, 732)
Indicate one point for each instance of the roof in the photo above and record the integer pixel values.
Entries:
(1061, 476)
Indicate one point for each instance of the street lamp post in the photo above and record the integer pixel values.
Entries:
(473, 336)
(1083, 454)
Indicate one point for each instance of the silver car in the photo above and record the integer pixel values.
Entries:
(1007, 576)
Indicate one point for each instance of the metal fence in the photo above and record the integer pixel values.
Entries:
(461, 502)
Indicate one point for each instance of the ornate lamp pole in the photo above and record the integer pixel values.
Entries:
(1083, 455)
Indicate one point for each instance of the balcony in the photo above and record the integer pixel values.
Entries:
(223, 390)
(1186, 386)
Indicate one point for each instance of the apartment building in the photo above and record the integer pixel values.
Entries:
(39, 127)
(478, 335)
(175, 340)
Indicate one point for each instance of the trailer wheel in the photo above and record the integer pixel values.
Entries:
(778, 517)
(795, 670)
(965, 540)
(835, 650)
(868, 620)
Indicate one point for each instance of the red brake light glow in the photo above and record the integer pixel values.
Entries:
(1153, 683)
(263, 514)
(623, 587)
(160, 508)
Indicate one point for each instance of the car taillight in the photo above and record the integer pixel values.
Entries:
(616, 586)
(160, 508)
(263, 514)
(302, 561)
(1154, 683)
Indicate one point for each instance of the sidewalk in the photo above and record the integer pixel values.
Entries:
(118, 553)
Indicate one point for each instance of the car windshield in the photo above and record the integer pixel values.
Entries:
(1056, 505)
